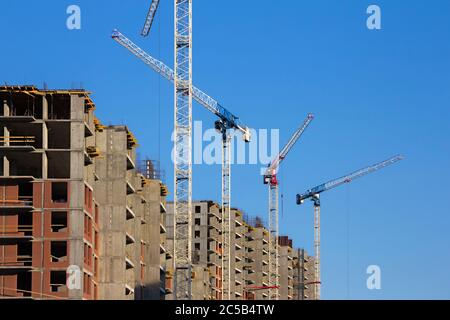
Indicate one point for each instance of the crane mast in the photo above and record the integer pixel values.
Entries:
(273, 242)
(314, 195)
(183, 148)
(226, 212)
(317, 278)
(270, 178)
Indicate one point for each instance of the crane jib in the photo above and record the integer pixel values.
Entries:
(230, 120)
(346, 179)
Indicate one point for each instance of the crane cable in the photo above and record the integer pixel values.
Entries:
(282, 192)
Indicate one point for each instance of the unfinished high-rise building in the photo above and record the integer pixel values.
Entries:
(257, 261)
(206, 280)
(287, 264)
(77, 219)
(304, 276)
(249, 256)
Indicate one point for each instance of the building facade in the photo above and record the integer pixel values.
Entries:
(76, 216)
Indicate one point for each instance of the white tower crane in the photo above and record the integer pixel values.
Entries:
(270, 178)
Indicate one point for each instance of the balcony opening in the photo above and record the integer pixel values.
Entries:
(24, 283)
(58, 281)
(196, 257)
(24, 253)
(58, 135)
(128, 291)
(26, 192)
(58, 251)
(23, 135)
(22, 104)
(59, 192)
(59, 221)
(30, 165)
(86, 284)
(58, 164)
(87, 226)
(59, 107)
(25, 222)
(87, 254)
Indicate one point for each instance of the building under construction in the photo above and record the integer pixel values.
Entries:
(250, 258)
(72, 198)
(76, 204)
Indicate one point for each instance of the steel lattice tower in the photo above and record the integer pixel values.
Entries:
(226, 215)
(182, 156)
(273, 242)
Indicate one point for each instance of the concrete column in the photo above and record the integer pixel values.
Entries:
(76, 108)
(5, 166)
(44, 136)
(76, 189)
(5, 136)
(6, 111)
(44, 108)
(44, 166)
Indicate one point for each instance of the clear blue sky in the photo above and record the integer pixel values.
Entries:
(374, 93)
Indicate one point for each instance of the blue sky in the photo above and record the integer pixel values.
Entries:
(374, 94)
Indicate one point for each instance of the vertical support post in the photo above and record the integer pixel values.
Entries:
(273, 241)
(183, 150)
(317, 250)
(6, 110)
(226, 214)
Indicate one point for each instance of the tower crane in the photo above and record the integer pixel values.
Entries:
(182, 156)
(270, 178)
(150, 17)
(226, 123)
(314, 195)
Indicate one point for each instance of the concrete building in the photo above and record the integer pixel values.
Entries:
(286, 267)
(303, 275)
(131, 209)
(309, 277)
(207, 251)
(238, 253)
(206, 281)
(250, 257)
(73, 205)
(257, 261)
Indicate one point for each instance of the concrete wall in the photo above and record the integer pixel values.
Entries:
(41, 164)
